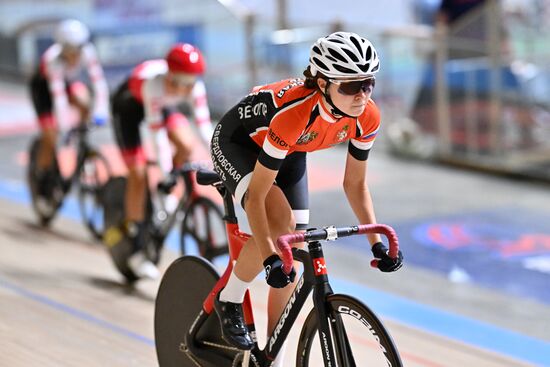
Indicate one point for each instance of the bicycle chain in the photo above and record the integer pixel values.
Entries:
(221, 346)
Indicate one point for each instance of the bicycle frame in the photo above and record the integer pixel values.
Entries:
(314, 277)
(164, 225)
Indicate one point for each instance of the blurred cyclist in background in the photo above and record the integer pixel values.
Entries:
(58, 84)
(153, 93)
(259, 150)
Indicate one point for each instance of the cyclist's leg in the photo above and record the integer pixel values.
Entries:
(248, 266)
(280, 219)
(127, 116)
(234, 162)
(80, 97)
(43, 106)
(180, 134)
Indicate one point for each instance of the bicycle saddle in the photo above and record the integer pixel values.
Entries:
(207, 177)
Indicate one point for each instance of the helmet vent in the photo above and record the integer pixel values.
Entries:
(320, 64)
(365, 67)
(343, 69)
(351, 55)
(369, 53)
(337, 55)
(355, 42)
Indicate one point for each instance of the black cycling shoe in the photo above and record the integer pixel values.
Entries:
(234, 331)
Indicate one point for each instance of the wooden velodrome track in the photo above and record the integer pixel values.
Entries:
(63, 304)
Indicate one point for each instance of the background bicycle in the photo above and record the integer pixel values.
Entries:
(200, 218)
(339, 331)
(90, 173)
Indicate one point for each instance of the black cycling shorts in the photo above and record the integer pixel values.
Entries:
(127, 114)
(234, 156)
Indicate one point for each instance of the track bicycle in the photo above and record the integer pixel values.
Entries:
(201, 218)
(91, 171)
(339, 331)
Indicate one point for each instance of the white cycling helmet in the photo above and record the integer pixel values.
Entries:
(72, 33)
(343, 55)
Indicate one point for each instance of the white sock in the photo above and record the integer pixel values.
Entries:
(234, 290)
(278, 362)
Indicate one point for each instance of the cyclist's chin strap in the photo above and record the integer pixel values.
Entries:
(335, 111)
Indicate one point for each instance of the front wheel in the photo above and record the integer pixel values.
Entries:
(203, 224)
(359, 337)
(93, 175)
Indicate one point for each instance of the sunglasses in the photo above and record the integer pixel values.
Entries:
(351, 88)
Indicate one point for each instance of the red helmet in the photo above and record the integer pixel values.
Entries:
(185, 58)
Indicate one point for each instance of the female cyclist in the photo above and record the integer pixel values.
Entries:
(153, 93)
(259, 150)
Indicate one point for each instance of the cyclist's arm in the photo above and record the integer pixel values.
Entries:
(358, 194)
(260, 184)
(201, 112)
(182, 145)
(99, 84)
(152, 94)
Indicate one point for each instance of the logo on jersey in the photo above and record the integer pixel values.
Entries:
(342, 134)
(277, 139)
(249, 111)
(320, 266)
(292, 83)
(306, 138)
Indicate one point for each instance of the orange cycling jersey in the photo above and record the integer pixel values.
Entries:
(286, 117)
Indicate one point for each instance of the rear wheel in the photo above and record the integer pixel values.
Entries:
(359, 337)
(203, 225)
(183, 289)
(45, 200)
(93, 175)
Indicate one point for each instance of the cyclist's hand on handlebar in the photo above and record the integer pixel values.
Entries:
(384, 262)
(275, 276)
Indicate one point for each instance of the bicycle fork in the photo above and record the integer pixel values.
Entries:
(330, 324)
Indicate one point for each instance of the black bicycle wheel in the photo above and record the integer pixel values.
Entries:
(203, 224)
(45, 206)
(183, 288)
(94, 173)
(359, 337)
